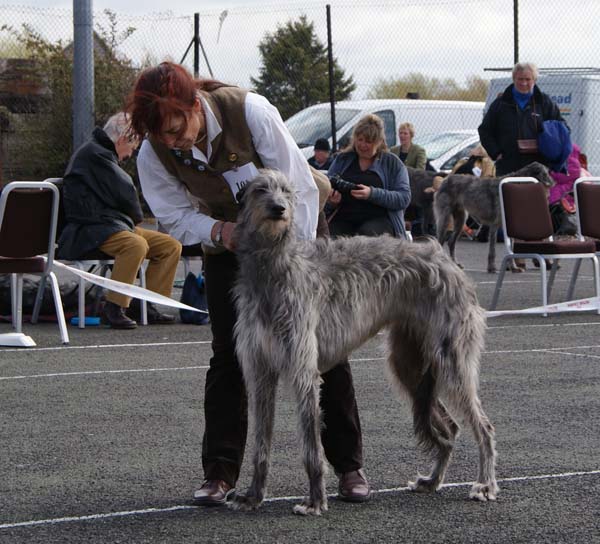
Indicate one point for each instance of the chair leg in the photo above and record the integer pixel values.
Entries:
(13, 300)
(18, 303)
(544, 279)
(596, 266)
(39, 297)
(553, 271)
(573, 281)
(499, 281)
(81, 303)
(143, 302)
(60, 314)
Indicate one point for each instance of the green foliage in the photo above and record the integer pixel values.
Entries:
(430, 88)
(294, 72)
(49, 131)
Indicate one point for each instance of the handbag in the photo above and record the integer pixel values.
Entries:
(527, 146)
(193, 294)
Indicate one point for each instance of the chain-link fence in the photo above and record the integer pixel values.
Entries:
(441, 49)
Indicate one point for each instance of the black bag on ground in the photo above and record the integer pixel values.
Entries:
(193, 295)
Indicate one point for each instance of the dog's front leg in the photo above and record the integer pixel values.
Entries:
(307, 388)
(261, 386)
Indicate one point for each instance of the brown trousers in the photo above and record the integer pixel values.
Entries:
(129, 249)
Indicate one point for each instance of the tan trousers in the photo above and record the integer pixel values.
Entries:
(129, 249)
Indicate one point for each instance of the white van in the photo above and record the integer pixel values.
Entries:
(576, 95)
(427, 116)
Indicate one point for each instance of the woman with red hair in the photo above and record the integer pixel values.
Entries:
(208, 139)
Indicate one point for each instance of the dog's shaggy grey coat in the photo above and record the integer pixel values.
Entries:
(305, 306)
(462, 194)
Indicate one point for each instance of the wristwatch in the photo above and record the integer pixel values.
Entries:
(219, 234)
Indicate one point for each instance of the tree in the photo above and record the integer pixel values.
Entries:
(48, 138)
(294, 72)
(430, 88)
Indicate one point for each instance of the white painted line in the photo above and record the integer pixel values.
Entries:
(540, 325)
(560, 350)
(101, 346)
(92, 372)
(586, 355)
(540, 350)
(208, 342)
(145, 511)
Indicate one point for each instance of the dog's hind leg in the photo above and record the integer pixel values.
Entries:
(463, 396)
(459, 217)
(441, 209)
(262, 388)
(306, 385)
(434, 427)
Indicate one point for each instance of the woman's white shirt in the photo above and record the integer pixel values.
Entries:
(168, 197)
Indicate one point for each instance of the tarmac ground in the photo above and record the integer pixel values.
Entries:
(100, 440)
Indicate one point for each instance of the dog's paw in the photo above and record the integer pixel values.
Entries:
(424, 485)
(492, 270)
(245, 503)
(484, 492)
(310, 509)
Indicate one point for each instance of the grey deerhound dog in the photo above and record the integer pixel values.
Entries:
(460, 194)
(419, 181)
(305, 306)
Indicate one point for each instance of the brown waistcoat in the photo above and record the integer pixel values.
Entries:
(232, 148)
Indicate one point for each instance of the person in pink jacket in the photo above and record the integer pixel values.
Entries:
(564, 182)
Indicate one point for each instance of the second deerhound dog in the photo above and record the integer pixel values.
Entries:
(460, 194)
(304, 306)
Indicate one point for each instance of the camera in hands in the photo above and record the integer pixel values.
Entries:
(341, 185)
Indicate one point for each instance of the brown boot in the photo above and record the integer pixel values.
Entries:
(114, 316)
(353, 486)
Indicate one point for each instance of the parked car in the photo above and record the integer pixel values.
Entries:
(445, 149)
(314, 122)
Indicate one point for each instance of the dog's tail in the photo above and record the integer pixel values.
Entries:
(430, 436)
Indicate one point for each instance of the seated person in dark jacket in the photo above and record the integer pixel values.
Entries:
(321, 160)
(102, 210)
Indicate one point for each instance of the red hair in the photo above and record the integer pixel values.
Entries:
(162, 92)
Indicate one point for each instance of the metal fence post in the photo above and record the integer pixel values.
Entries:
(331, 82)
(83, 71)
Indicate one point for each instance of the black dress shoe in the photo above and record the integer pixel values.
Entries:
(354, 487)
(155, 317)
(213, 493)
(114, 316)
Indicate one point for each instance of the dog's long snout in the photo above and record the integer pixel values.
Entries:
(277, 210)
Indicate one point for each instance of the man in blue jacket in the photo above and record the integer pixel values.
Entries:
(102, 210)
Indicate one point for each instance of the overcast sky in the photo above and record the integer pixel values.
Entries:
(372, 38)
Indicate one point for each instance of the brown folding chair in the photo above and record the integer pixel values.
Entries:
(587, 204)
(95, 262)
(28, 218)
(528, 234)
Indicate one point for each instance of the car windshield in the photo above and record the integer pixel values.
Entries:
(308, 125)
(439, 143)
